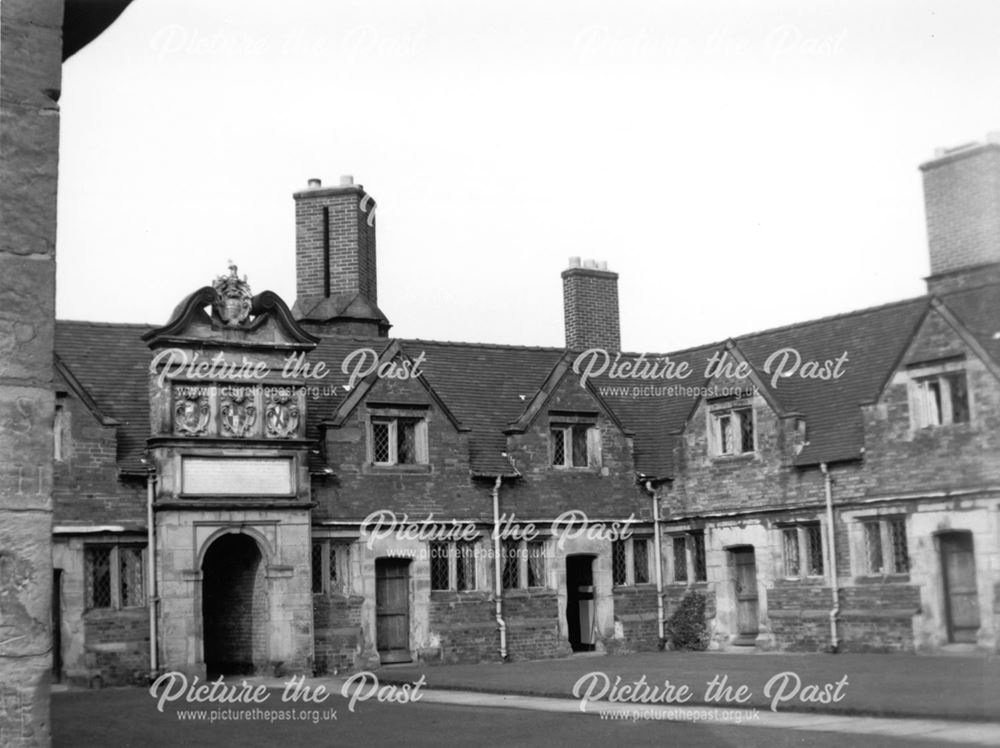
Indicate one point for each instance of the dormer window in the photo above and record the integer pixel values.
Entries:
(940, 399)
(398, 440)
(732, 431)
(575, 445)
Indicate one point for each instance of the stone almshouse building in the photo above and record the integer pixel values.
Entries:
(212, 481)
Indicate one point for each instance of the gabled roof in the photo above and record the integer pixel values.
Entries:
(543, 395)
(359, 393)
(111, 362)
(978, 310)
(873, 339)
(488, 387)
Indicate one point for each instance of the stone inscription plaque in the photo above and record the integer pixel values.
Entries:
(237, 476)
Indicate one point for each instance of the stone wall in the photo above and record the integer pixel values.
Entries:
(31, 66)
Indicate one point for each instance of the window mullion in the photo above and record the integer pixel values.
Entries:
(629, 562)
(522, 564)
(945, 386)
(689, 557)
(115, 576)
(325, 565)
(888, 563)
(452, 566)
(805, 559)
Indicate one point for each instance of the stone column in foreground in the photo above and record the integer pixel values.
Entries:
(30, 73)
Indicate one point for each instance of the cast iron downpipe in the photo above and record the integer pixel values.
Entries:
(658, 555)
(151, 598)
(831, 542)
(497, 568)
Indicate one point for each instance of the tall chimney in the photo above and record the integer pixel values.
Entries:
(590, 304)
(336, 280)
(962, 199)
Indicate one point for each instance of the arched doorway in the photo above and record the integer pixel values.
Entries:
(234, 607)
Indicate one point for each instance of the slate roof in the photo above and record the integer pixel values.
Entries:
(111, 362)
(488, 386)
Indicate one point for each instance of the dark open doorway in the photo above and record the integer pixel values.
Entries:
(581, 618)
(57, 662)
(234, 608)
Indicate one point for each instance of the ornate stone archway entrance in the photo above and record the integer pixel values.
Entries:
(234, 607)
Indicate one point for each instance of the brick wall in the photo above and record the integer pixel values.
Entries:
(116, 644)
(962, 201)
(533, 625)
(466, 624)
(590, 306)
(875, 617)
(352, 264)
(337, 630)
(443, 487)
(547, 491)
(86, 484)
(635, 613)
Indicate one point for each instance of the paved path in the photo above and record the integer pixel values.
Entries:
(938, 732)
(921, 687)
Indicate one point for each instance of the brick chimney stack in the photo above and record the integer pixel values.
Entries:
(590, 304)
(962, 199)
(336, 279)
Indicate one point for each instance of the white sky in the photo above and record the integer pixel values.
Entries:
(741, 164)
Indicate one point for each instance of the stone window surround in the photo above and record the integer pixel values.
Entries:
(629, 548)
(451, 548)
(115, 546)
(800, 526)
(521, 559)
(729, 406)
(855, 521)
(566, 424)
(343, 565)
(917, 372)
(691, 561)
(421, 463)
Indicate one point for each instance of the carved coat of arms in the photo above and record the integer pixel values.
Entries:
(239, 413)
(232, 298)
(191, 411)
(282, 413)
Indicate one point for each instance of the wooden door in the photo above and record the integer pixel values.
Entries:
(745, 588)
(958, 565)
(392, 609)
